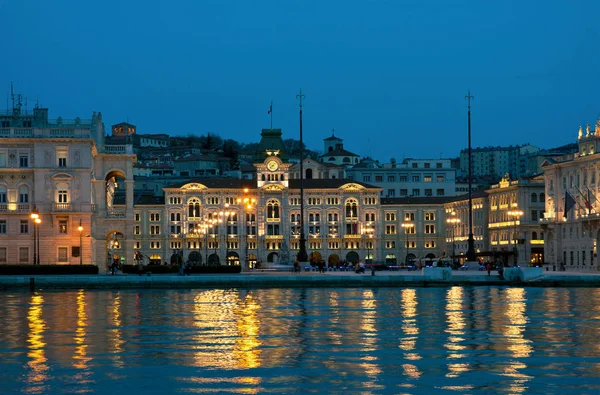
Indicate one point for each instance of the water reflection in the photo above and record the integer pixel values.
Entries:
(465, 340)
(514, 332)
(456, 331)
(410, 330)
(37, 363)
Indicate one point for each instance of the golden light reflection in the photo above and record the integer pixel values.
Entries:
(216, 329)
(35, 339)
(247, 349)
(514, 332)
(80, 358)
(456, 331)
(369, 333)
(116, 334)
(410, 331)
(334, 336)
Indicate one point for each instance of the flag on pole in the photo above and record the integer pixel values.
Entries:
(569, 203)
(270, 108)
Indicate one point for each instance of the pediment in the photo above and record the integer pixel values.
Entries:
(62, 177)
(194, 186)
(352, 187)
(273, 187)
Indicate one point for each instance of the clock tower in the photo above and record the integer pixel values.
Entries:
(273, 173)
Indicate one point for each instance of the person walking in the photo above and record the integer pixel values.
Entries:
(488, 268)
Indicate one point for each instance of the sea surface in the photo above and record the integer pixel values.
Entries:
(457, 340)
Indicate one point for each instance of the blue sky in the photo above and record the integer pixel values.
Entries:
(389, 76)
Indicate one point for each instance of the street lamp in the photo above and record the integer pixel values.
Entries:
(35, 217)
(248, 204)
(453, 221)
(516, 214)
(407, 226)
(80, 229)
(369, 235)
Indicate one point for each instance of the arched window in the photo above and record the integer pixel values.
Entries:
(263, 178)
(542, 197)
(309, 174)
(331, 159)
(346, 160)
(23, 194)
(330, 148)
(272, 209)
(534, 198)
(533, 235)
(194, 207)
(351, 208)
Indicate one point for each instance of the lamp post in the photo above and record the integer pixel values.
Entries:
(80, 229)
(302, 255)
(369, 236)
(38, 221)
(34, 216)
(453, 221)
(516, 214)
(248, 203)
(471, 241)
(407, 226)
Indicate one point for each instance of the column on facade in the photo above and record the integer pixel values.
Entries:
(129, 197)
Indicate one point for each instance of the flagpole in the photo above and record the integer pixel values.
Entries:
(271, 113)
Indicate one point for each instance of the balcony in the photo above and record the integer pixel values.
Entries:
(115, 214)
(65, 132)
(357, 236)
(118, 149)
(273, 237)
(61, 207)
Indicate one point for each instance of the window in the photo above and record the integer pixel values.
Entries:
(416, 178)
(212, 200)
(534, 214)
(23, 160)
(440, 178)
(439, 192)
(23, 194)
(137, 217)
(24, 226)
(428, 192)
(175, 229)
(430, 229)
(390, 229)
(3, 226)
(273, 230)
(416, 192)
(62, 162)
(63, 254)
(137, 230)
(391, 178)
(314, 201)
(75, 251)
(429, 243)
(175, 217)
(378, 178)
(430, 216)
(415, 165)
(154, 230)
(427, 165)
(332, 217)
(351, 208)
(62, 196)
(438, 165)
(23, 254)
(427, 178)
(154, 217)
(2, 194)
(390, 216)
(194, 208)
(272, 209)
(390, 244)
(391, 192)
(155, 245)
(403, 178)
(367, 178)
(370, 200)
(409, 216)
(62, 226)
(403, 192)
(3, 258)
(333, 201)
(534, 197)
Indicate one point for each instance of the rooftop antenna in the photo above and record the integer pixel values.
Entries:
(12, 94)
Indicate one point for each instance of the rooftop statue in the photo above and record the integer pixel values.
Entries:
(580, 131)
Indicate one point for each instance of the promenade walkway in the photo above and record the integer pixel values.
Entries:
(258, 279)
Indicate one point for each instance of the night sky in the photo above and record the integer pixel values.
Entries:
(389, 76)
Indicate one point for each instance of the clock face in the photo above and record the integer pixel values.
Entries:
(272, 165)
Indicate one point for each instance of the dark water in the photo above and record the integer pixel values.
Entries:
(487, 340)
